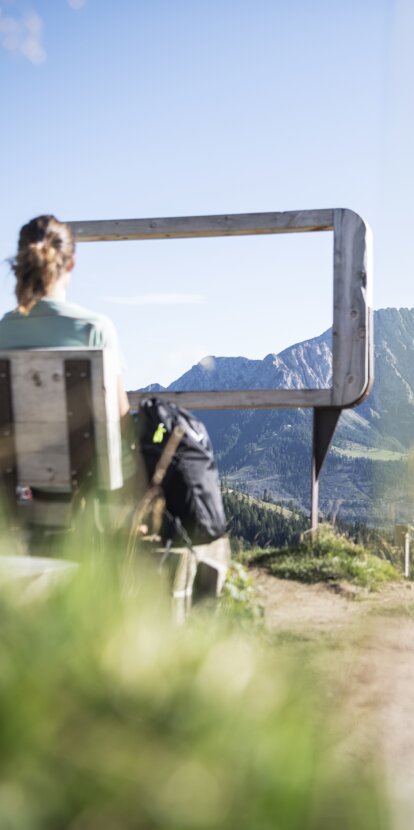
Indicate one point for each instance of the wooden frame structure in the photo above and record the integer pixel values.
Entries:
(352, 343)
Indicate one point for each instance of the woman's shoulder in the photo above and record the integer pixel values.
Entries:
(101, 328)
(77, 312)
(11, 315)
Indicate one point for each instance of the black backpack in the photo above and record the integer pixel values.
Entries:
(191, 484)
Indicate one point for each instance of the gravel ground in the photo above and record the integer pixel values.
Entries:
(366, 649)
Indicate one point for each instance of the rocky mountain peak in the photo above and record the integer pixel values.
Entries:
(271, 448)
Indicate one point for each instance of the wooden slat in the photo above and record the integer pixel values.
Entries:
(81, 430)
(8, 461)
(107, 423)
(47, 469)
(38, 387)
(235, 224)
(43, 459)
(242, 399)
(35, 436)
(45, 464)
(40, 420)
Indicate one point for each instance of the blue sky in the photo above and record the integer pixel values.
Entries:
(141, 108)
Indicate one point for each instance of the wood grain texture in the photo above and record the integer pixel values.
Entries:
(241, 399)
(40, 416)
(352, 340)
(236, 224)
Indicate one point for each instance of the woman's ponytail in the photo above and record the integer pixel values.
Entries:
(46, 247)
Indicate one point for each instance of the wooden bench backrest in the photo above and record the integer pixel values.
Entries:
(56, 407)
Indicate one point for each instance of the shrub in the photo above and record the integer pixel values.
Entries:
(328, 557)
(238, 600)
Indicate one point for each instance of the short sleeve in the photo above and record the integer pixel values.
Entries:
(103, 336)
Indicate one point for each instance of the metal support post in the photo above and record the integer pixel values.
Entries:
(324, 425)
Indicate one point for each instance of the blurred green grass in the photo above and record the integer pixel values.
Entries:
(112, 718)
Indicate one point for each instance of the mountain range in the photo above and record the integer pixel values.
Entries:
(370, 467)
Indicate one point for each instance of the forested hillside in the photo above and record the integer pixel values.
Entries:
(261, 524)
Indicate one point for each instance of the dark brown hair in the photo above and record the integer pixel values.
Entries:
(45, 248)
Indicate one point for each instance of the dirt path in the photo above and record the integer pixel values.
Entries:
(370, 640)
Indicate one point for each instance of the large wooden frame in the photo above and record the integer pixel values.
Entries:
(352, 336)
(352, 271)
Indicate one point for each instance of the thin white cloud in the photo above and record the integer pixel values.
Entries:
(77, 4)
(157, 299)
(23, 36)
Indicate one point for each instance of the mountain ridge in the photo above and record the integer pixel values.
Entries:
(270, 449)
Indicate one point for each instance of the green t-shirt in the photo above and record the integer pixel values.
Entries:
(53, 323)
(56, 323)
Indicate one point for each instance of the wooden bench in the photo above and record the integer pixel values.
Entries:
(60, 441)
(59, 426)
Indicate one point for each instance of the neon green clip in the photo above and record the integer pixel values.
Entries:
(159, 433)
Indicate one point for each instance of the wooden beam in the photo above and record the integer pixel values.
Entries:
(187, 227)
(241, 399)
(352, 360)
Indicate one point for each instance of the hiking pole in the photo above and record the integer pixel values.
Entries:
(154, 489)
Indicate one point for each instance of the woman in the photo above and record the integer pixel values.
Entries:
(44, 319)
(43, 265)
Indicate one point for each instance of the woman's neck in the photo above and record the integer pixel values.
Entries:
(56, 292)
